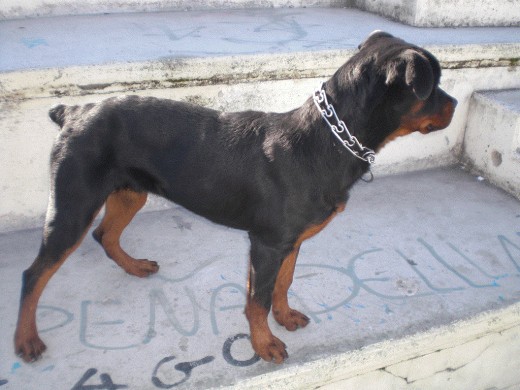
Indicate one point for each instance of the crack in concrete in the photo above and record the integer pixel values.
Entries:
(447, 369)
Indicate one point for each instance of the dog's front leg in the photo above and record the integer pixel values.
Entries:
(284, 315)
(264, 265)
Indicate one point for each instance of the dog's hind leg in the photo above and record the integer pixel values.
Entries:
(65, 227)
(121, 207)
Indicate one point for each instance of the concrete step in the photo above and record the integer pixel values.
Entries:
(458, 13)
(269, 59)
(421, 271)
(492, 137)
(414, 286)
(423, 13)
(10, 9)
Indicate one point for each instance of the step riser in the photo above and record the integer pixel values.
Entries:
(23, 205)
(434, 13)
(421, 13)
(492, 138)
(13, 9)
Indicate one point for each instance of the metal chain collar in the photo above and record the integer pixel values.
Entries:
(339, 128)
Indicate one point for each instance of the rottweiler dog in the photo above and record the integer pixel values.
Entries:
(279, 176)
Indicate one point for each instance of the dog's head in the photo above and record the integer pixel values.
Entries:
(398, 89)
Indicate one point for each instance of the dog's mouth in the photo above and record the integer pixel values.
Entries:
(439, 121)
(417, 121)
(430, 127)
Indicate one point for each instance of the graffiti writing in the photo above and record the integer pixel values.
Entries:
(106, 382)
(429, 269)
(185, 368)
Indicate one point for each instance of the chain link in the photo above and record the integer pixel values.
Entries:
(339, 128)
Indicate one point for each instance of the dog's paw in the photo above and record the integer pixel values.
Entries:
(29, 349)
(291, 319)
(142, 268)
(272, 349)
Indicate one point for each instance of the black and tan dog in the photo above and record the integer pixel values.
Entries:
(279, 176)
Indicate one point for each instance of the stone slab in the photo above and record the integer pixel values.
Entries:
(412, 253)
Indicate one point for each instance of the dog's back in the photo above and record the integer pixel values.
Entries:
(282, 177)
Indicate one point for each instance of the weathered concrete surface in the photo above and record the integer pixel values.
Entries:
(455, 13)
(68, 41)
(492, 138)
(424, 13)
(421, 270)
(230, 60)
(478, 353)
(12, 9)
(410, 258)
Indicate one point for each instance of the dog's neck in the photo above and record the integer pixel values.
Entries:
(357, 101)
(314, 141)
(339, 129)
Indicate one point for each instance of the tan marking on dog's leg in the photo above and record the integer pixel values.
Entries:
(284, 315)
(28, 344)
(121, 207)
(315, 229)
(265, 344)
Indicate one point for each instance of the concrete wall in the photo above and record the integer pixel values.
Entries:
(263, 82)
(492, 138)
(14, 9)
(426, 13)
(479, 353)
(401, 10)
(435, 13)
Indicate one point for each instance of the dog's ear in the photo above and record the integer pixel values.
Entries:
(415, 69)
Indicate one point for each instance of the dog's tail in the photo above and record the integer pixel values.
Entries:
(57, 114)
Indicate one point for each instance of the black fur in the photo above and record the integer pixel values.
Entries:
(271, 174)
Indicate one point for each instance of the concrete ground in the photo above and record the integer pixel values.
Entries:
(103, 39)
(267, 59)
(410, 253)
(414, 286)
